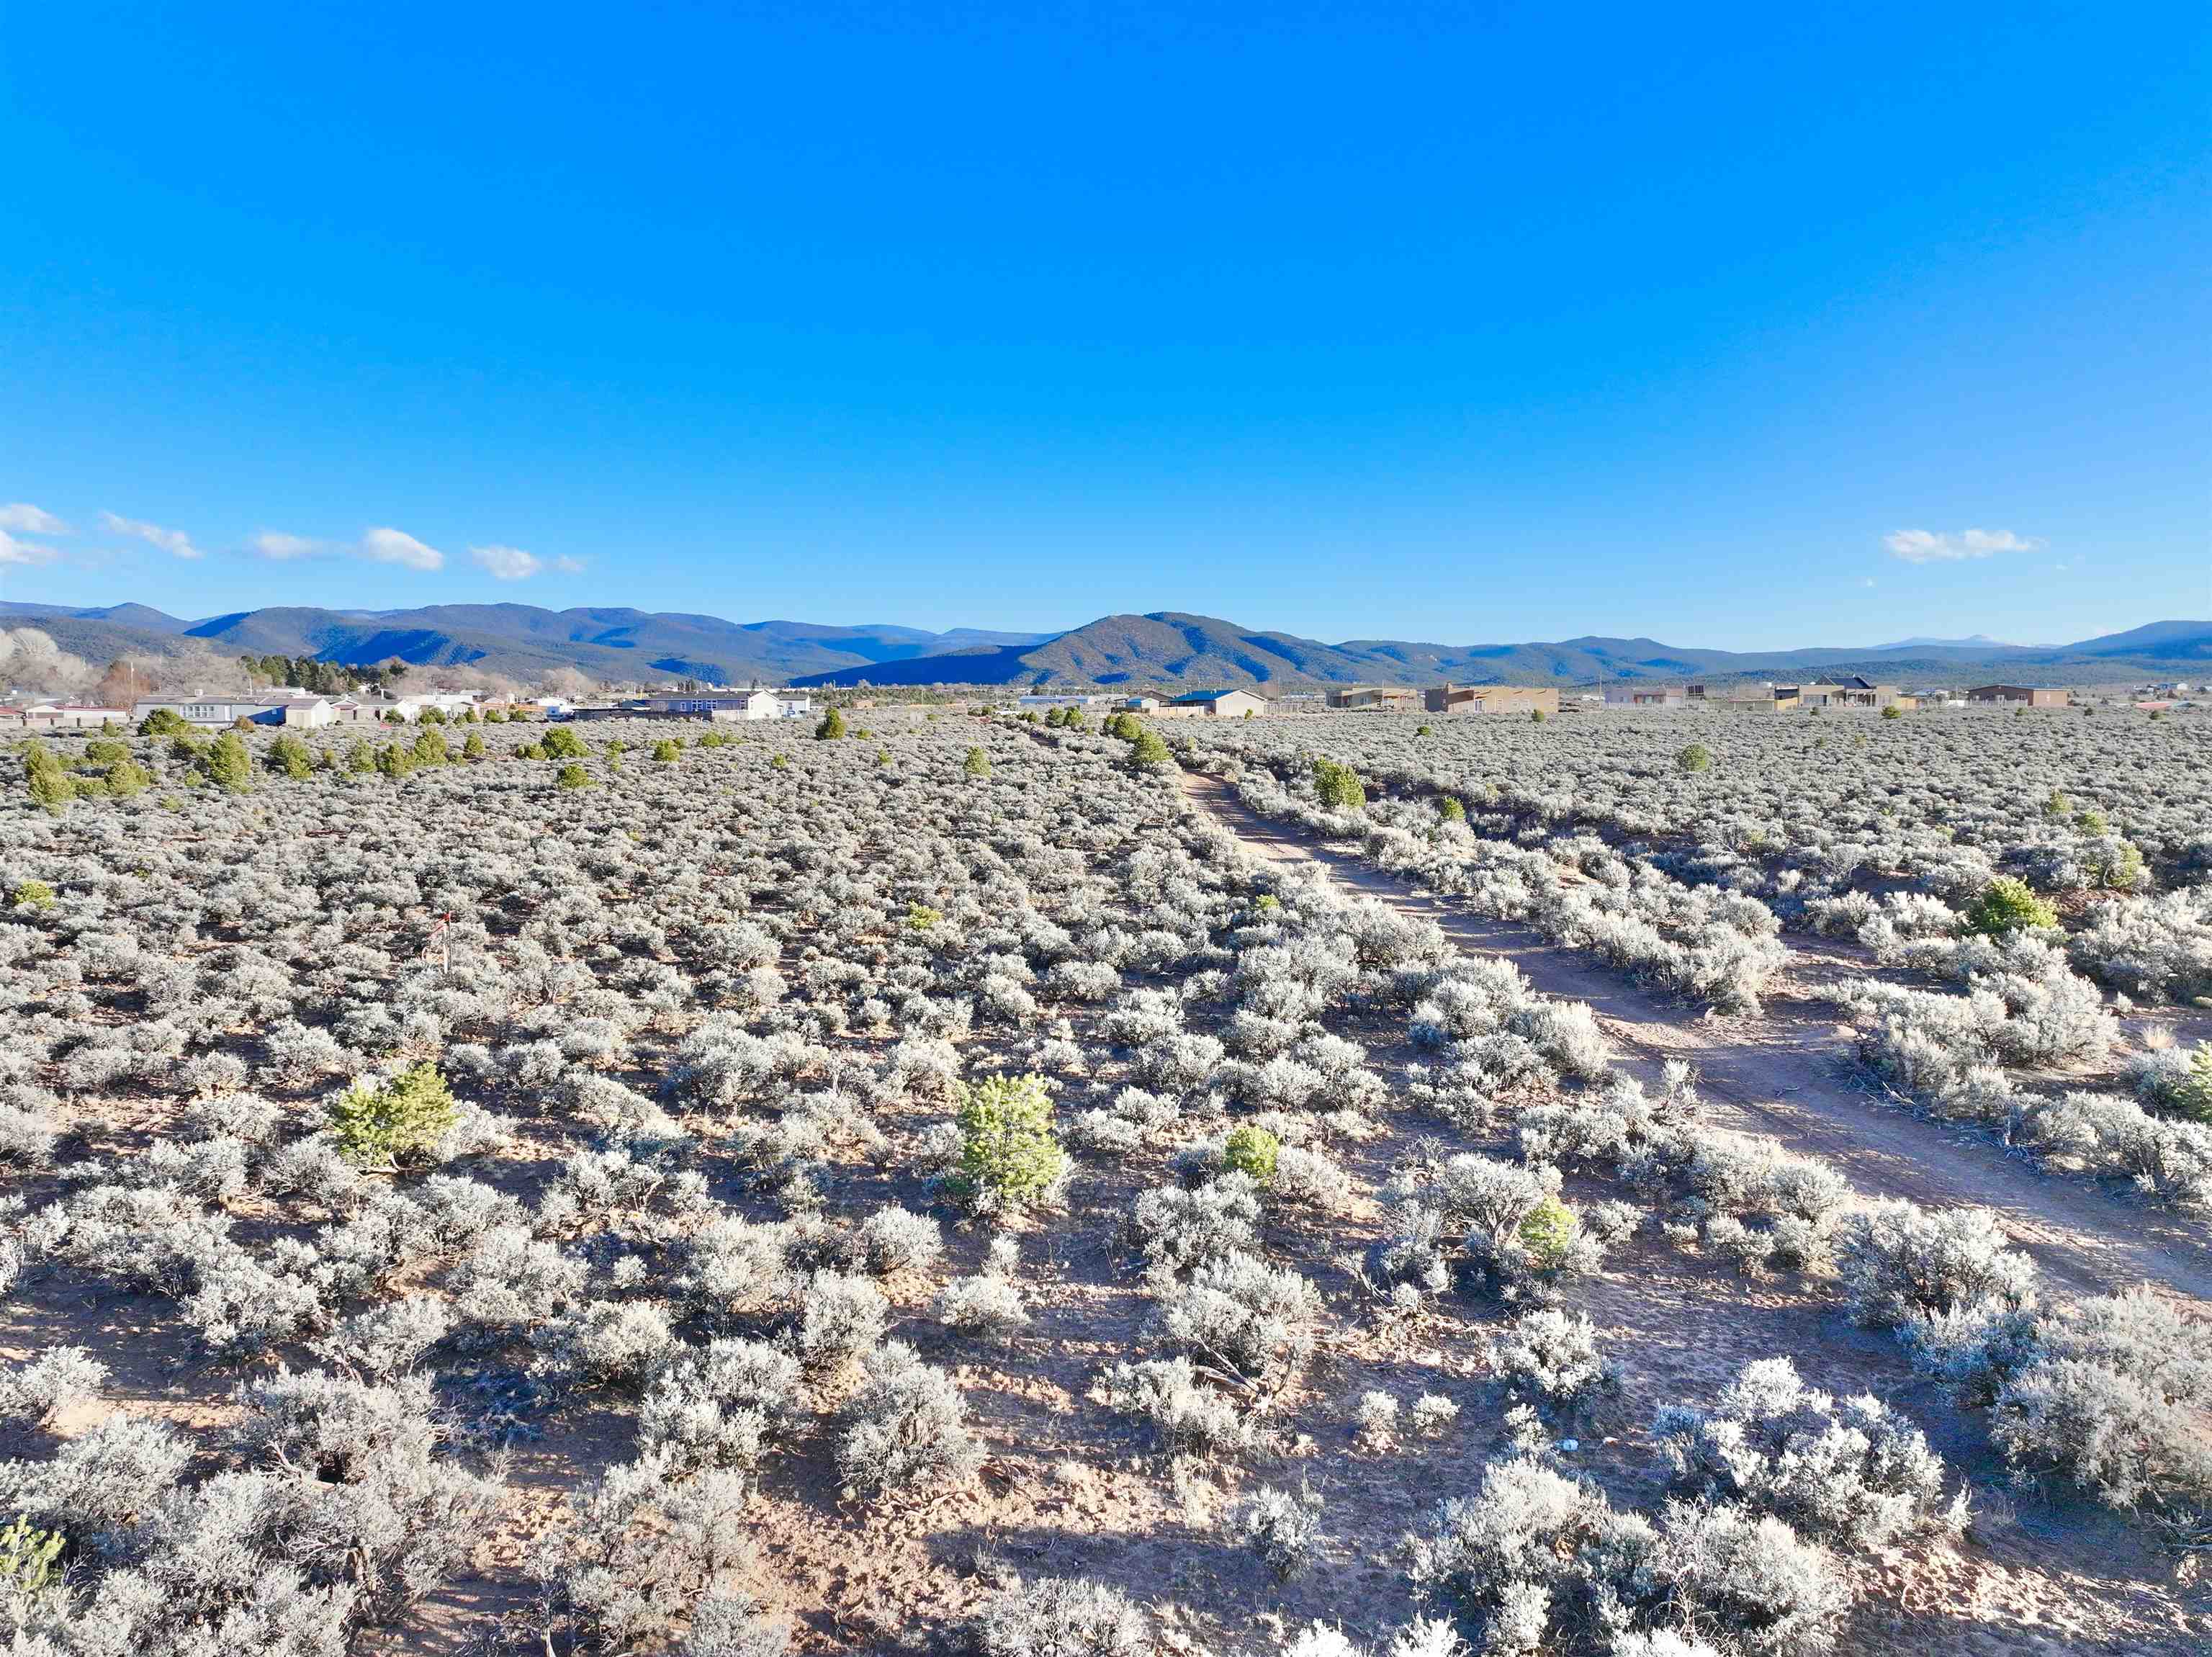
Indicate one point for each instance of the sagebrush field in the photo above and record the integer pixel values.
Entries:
(1638, 1184)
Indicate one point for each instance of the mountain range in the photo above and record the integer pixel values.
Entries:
(1166, 648)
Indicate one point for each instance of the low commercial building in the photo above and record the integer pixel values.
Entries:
(2025, 696)
(1449, 698)
(1383, 698)
(720, 704)
(1215, 704)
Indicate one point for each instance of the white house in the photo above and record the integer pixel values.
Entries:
(1217, 705)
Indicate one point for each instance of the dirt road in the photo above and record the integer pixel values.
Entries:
(1787, 1072)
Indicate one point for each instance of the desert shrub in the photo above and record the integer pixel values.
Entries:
(1176, 1229)
(57, 1379)
(1900, 1261)
(1282, 1529)
(840, 1318)
(382, 1122)
(1191, 1419)
(907, 1428)
(1693, 757)
(1056, 1617)
(1852, 1471)
(986, 1303)
(891, 1240)
(1551, 1358)
(1537, 1560)
(2108, 1393)
(1252, 1318)
(1010, 1157)
(727, 1405)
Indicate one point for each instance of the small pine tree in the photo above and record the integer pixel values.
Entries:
(395, 761)
(288, 757)
(383, 1123)
(49, 785)
(1338, 787)
(2007, 905)
(474, 747)
(228, 765)
(1251, 1150)
(430, 749)
(1010, 1157)
(1696, 757)
(978, 764)
(667, 751)
(1548, 1232)
(572, 776)
(1451, 810)
(832, 728)
(163, 722)
(1150, 751)
(2193, 1098)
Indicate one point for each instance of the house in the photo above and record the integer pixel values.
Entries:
(1390, 699)
(1644, 693)
(721, 704)
(214, 709)
(1215, 704)
(1040, 700)
(1449, 698)
(1137, 705)
(2025, 695)
(1856, 692)
(63, 716)
(1754, 698)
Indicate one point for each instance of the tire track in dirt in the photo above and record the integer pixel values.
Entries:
(1786, 1073)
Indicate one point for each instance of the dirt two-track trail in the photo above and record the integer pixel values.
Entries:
(1786, 1072)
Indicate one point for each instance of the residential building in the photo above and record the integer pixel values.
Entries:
(720, 704)
(1137, 705)
(1215, 704)
(1040, 700)
(1449, 698)
(1649, 693)
(2025, 695)
(1387, 698)
(1856, 692)
(214, 709)
(63, 716)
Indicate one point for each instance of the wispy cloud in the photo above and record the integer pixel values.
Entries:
(507, 563)
(568, 566)
(276, 544)
(172, 541)
(1931, 546)
(28, 520)
(397, 546)
(14, 551)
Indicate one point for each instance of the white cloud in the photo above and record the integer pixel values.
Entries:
(15, 551)
(507, 563)
(274, 543)
(173, 541)
(30, 519)
(397, 546)
(568, 566)
(1929, 547)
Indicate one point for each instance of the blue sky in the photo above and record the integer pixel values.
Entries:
(1449, 322)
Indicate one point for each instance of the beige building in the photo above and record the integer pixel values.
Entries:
(1385, 698)
(1448, 698)
(2025, 696)
(1857, 692)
